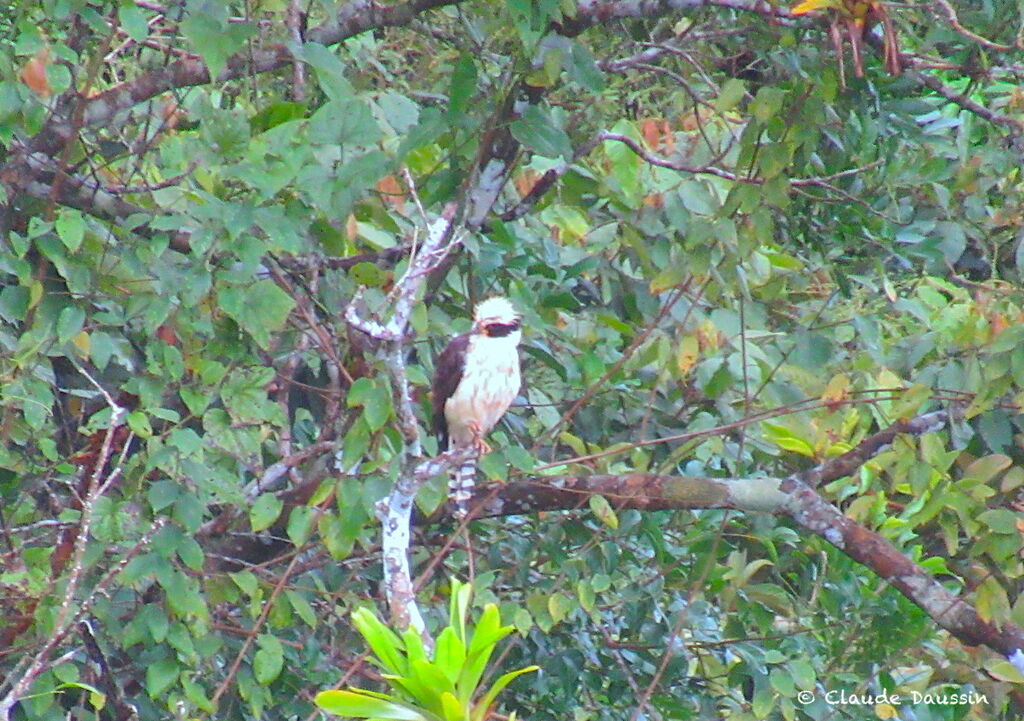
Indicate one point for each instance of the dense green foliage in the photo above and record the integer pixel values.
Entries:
(828, 254)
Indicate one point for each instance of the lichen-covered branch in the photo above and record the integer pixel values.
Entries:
(395, 511)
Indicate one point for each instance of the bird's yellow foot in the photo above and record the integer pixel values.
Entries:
(479, 443)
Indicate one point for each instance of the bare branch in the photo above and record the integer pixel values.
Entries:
(1015, 131)
(954, 22)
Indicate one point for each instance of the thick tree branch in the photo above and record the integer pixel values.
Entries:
(790, 497)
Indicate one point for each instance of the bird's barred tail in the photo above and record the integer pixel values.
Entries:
(460, 487)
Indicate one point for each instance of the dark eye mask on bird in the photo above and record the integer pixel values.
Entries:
(500, 330)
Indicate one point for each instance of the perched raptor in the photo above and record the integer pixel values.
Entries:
(475, 380)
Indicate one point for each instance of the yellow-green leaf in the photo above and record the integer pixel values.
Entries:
(604, 511)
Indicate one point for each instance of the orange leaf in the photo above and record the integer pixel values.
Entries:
(392, 192)
(34, 73)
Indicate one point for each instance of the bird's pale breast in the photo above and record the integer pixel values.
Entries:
(489, 384)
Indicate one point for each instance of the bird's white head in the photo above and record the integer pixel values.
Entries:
(497, 318)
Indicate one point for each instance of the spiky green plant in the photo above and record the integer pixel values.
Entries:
(444, 686)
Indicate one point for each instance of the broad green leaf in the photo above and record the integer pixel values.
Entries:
(268, 660)
(987, 467)
(782, 682)
(386, 646)
(160, 675)
(70, 227)
(363, 705)
(97, 698)
(302, 607)
(451, 708)
(450, 654)
(264, 511)
(991, 602)
(300, 524)
(247, 581)
(330, 70)
(133, 21)
(69, 323)
(261, 309)
(785, 439)
(1003, 670)
(559, 606)
(767, 103)
(731, 94)
(538, 131)
(215, 40)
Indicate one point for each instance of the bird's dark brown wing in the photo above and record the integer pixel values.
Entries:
(447, 374)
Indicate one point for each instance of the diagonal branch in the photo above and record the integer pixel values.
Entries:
(791, 497)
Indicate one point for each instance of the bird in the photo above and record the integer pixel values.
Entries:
(476, 378)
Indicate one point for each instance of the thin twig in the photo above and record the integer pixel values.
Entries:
(954, 22)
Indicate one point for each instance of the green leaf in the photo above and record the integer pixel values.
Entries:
(260, 309)
(450, 654)
(481, 708)
(160, 675)
(302, 607)
(343, 121)
(300, 524)
(452, 709)
(604, 511)
(730, 95)
(70, 227)
(247, 581)
(767, 103)
(97, 698)
(361, 704)
(986, 468)
(559, 606)
(414, 648)
(139, 424)
(486, 635)
(191, 553)
(539, 132)
(430, 676)
(69, 323)
(785, 438)
(458, 607)
(330, 71)
(264, 511)
(214, 40)
(582, 68)
(462, 86)
(386, 646)
(268, 660)
(378, 410)
(782, 682)
(133, 21)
